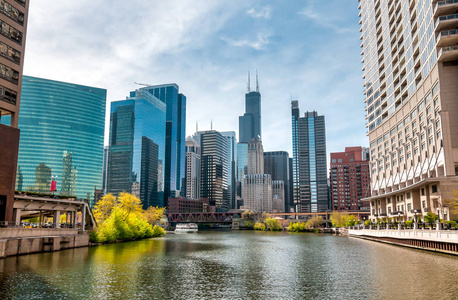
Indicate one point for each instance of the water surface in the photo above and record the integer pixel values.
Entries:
(233, 265)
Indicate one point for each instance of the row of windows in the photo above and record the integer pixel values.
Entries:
(11, 12)
(11, 32)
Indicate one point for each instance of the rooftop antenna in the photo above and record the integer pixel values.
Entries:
(257, 83)
(211, 125)
(249, 86)
(197, 126)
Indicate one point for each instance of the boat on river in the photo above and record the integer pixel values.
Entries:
(186, 227)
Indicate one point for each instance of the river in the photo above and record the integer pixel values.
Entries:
(233, 265)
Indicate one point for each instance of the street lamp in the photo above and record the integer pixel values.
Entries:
(438, 217)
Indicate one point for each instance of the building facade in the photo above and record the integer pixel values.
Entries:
(349, 179)
(278, 196)
(175, 136)
(310, 187)
(137, 147)
(13, 18)
(276, 163)
(183, 205)
(193, 170)
(231, 167)
(257, 186)
(410, 57)
(250, 122)
(214, 170)
(62, 130)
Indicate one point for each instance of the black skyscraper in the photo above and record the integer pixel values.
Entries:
(277, 165)
(250, 122)
(310, 186)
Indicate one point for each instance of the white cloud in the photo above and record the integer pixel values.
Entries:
(260, 43)
(263, 12)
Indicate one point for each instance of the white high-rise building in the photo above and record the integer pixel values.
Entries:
(410, 57)
(192, 173)
(257, 187)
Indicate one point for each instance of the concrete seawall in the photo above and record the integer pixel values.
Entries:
(44, 240)
(443, 241)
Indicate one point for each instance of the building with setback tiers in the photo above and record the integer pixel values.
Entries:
(193, 169)
(175, 136)
(410, 56)
(310, 187)
(257, 186)
(136, 155)
(350, 179)
(13, 18)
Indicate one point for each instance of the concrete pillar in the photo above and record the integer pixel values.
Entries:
(56, 219)
(40, 219)
(415, 225)
(83, 218)
(378, 227)
(74, 214)
(16, 216)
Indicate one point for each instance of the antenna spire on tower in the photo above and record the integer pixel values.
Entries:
(211, 125)
(249, 86)
(197, 126)
(257, 82)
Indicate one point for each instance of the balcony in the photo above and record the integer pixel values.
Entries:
(447, 38)
(445, 7)
(448, 53)
(446, 22)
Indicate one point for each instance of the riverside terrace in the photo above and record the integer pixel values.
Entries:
(31, 206)
(434, 238)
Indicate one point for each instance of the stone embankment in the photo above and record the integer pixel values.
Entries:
(444, 241)
(18, 241)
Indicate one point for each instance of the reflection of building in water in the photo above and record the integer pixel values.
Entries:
(19, 179)
(42, 179)
(135, 190)
(69, 175)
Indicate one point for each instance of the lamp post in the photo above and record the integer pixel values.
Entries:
(438, 218)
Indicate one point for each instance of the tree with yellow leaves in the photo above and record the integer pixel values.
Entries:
(104, 207)
(152, 214)
(130, 204)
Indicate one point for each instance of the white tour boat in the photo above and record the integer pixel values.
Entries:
(186, 227)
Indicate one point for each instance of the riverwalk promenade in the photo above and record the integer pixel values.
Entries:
(445, 241)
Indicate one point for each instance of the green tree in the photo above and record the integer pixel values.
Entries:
(273, 224)
(452, 205)
(259, 226)
(339, 219)
(431, 218)
(314, 222)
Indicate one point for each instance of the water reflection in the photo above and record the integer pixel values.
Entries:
(232, 265)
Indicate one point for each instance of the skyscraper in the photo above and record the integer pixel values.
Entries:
(250, 122)
(231, 167)
(242, 164)
(193, 170)
(257, 186)
(62, 131)
(13, 20)
(276, 164)
(310, 187)
(137, 146)
(175, 136)
(349, 179)
(214, 169)
(410, 56)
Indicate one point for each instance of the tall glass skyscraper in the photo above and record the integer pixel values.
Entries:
(310, 184)
(137, 147)
(276, 164)
(231, 167)
(175, 136)
(62, 130)
(214, 169)
(250, 122)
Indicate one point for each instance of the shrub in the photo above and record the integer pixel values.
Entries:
(367, 222)
(157, 231)
(259, 226)
(273, 224)
(296, 227)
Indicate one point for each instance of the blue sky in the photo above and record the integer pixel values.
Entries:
(307, 50)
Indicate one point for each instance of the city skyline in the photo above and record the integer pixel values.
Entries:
(209, 56)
